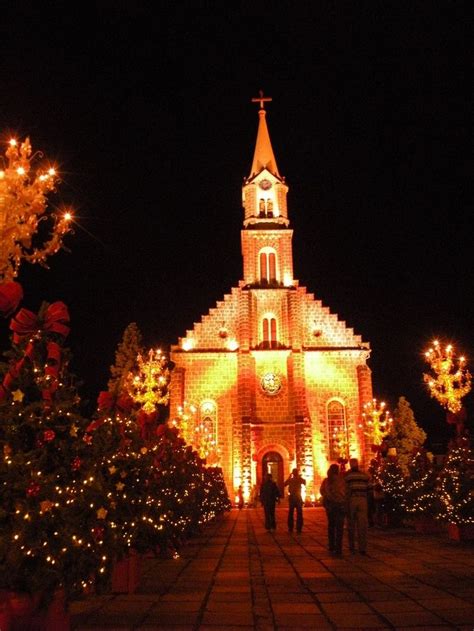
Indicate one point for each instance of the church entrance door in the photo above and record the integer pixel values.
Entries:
(272, 462)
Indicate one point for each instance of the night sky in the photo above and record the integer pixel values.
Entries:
(149, 118)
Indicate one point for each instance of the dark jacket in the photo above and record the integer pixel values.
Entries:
(269, 492)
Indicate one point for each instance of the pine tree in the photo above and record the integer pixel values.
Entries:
(420, 499)
(455, 485)
(404, 434)
(393, 485)
(54, 529)
(125, 358)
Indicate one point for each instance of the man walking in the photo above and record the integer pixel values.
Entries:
(294, 484)
(357, 485)
(269, 495)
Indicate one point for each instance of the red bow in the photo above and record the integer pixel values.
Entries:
(54, 320)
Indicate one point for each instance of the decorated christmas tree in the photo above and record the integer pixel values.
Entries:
(455, 485)
(54, 527)
(404, 434)
(420, 498)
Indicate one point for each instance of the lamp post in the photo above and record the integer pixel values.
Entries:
(24, 190)
(449, 382)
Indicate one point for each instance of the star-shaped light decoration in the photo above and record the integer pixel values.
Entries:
(73, 430)
(102, 513)
(119, 486)
(112, 469)
(18, 396)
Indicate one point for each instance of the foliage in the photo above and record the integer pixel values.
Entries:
(125, 358)
(404, 433)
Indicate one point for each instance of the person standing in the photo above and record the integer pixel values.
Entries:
(269, 496)
(294, 484)
(357, 486)
(240, 497)
(333, 492)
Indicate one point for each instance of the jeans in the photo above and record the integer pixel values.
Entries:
(269, 509)
(295, 504)
(358, 523)
(335, 514)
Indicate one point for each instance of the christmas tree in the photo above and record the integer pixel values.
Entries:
(404, 434)
(393, 485)
(125, 358)
(54, 527)
(420, 499)
(455, 485)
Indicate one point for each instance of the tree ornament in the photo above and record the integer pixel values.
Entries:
(33, 489)
(11, 294)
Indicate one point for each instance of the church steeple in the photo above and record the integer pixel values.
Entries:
(266, 237)
(263, 157)
(264, 190)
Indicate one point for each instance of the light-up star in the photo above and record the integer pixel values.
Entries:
(102, 513)
(18, 396)
(73, 430)
(119, 486)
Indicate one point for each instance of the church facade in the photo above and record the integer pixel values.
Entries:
(276, 378)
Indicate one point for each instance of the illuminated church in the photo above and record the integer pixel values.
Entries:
(276, 378)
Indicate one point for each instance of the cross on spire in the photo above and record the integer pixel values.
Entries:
(262, 99)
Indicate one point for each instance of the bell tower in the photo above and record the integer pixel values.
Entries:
(266, 237)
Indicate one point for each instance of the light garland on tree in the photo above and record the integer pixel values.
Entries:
(149, 385)
(377, 421)
(23, 204)
(185, 421)
(451, 380)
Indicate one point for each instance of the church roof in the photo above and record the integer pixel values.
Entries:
(263, 158)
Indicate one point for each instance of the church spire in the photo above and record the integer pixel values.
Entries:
(263, 157)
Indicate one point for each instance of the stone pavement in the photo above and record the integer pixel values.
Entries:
(237, 576)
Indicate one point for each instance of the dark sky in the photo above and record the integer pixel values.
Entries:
(148, 115)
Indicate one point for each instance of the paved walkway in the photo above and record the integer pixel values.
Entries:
(238, 576)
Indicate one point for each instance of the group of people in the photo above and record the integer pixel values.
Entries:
(270, 495)
(344, 495)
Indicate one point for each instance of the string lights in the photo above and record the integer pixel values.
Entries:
(24, 190)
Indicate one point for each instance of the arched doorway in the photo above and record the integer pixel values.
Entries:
(272, 462)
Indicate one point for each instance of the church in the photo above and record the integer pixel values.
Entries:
(277, 380)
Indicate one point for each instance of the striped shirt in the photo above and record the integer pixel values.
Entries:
(357, 483)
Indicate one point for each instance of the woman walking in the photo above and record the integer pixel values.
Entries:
(333, 492)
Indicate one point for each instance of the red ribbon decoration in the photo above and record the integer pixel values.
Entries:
(55, 320)
(26, 323)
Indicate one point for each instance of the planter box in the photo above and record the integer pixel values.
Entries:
(23, 613)
(126, 574)
(463, 532)
(427, 525)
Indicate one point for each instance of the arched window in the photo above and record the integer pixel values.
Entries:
(337, 430)
(269, 332)
(267, 262)
(207, 431)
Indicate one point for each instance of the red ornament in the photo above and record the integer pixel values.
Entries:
(33, 489)
(76, 463)
(87, 439)
(49, 435)
(11, 295)
(97, 533)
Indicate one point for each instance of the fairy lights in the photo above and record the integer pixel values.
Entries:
(24, 190)
(449, 381)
